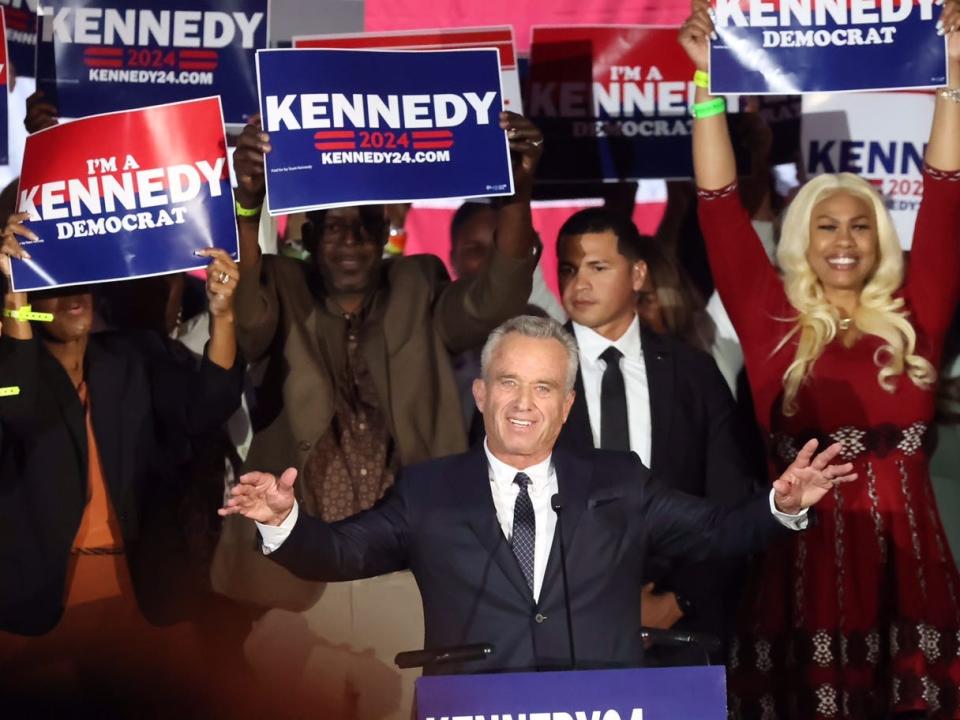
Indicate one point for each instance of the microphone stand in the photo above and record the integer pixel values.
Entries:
(557, 506)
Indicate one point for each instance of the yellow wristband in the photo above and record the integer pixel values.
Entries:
(9, 391)
(709, 108)
(701, 79)
(24, 314)
(247, 212)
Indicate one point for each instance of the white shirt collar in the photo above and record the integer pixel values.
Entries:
(592, 344)
(504, 474)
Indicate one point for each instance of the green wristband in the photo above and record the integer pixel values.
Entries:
(716, 106)
(9, 391)
(25, 314)
(247, 212)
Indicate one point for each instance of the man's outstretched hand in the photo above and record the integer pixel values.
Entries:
(809, 478)
(262, 497)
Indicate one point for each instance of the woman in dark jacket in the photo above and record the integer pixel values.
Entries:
(89, 546)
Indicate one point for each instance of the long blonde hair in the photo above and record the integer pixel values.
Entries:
(879, 312)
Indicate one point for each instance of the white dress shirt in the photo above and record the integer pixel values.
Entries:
(634, 370)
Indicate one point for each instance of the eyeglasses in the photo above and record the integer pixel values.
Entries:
(335, 230)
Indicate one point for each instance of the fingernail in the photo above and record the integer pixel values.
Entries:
(264, 137)
(27, 256)
(198, 253)
(714, 36)
(939, 26)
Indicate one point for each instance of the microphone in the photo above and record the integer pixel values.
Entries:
(443, 656)
(705, 641)
(557, 506)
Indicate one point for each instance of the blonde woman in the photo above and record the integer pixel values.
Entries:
(844, 346)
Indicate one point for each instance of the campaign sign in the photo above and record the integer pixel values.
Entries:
(21, 24)
(4, 91)
(125, 195)
(97, 56)
(800, 46)
(443, 39)
(879, 136)
(353, 127)
(613, 102)
(691, 693)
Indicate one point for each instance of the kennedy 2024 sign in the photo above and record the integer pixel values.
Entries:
(799, 46)
(613, 102)
(125, 195)
(350, 127)
(97, 56)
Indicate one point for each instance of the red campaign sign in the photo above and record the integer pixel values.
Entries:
(382, 15)
(461, 38)
(126, 194)
(616, 97)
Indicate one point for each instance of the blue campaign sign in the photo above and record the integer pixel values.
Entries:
(690, 693)
(98, 56)
(21, 22)
(124, 195)
(806, 46)
(352, 127)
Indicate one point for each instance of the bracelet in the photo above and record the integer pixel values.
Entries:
(9, 391)
(950, 94)
(24, 313)
(709, 108)
(247, 212)
(701, 79)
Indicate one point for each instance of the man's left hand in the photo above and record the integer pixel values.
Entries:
(809, 478)
(526, 147)
(659, 609)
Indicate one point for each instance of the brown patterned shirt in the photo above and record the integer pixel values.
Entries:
(355, 460)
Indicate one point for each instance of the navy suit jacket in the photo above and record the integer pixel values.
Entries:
(439, 521)
(697, 447)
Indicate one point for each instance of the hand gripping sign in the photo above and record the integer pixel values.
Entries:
(97, 56)
(353, 127)
(125, 195)
(801, 46)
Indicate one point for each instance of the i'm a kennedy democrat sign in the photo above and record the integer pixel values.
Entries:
(96, 56)
(800, 46)
(349, 127)
(125, 195)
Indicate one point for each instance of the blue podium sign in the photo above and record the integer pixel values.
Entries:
(691, 693)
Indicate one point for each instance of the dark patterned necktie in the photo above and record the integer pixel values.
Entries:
(523, 541)
(614, 428)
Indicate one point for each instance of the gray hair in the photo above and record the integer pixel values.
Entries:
(534, 327)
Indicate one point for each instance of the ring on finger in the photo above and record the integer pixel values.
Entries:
(536, 143)
(223, 278)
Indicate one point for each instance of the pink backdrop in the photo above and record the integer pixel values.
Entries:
(414, 14)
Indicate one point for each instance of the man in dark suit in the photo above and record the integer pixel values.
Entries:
(659, 397)
(478, 532)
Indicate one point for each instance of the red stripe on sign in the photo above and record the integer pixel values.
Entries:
(199, 54)
(104, 52)
(104, 63)
(432, 134)
(334, 135)
(198, 65)
(335, 146)
(432, 145)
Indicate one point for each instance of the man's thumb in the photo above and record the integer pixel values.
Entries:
(287, 479)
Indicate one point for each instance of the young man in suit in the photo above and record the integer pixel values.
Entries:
(657, 396)
(478, 532)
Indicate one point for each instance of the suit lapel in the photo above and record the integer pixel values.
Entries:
(576, 432)
(574, 478)
(660, 381)
(482, 517)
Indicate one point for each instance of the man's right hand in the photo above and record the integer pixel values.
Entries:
(262, 497)
(252, 145)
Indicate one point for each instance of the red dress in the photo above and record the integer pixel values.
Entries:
(857, 616)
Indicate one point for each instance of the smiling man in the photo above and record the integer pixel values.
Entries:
(478, 532)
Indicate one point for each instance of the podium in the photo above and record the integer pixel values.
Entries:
(684, 693)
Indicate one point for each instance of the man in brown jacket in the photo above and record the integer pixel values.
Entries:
(358, 378)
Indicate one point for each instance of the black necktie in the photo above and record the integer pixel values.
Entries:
(614, 429)
(523, 541)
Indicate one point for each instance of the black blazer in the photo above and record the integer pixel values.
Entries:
(146, 406)
(697, 447)
(439, 521)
